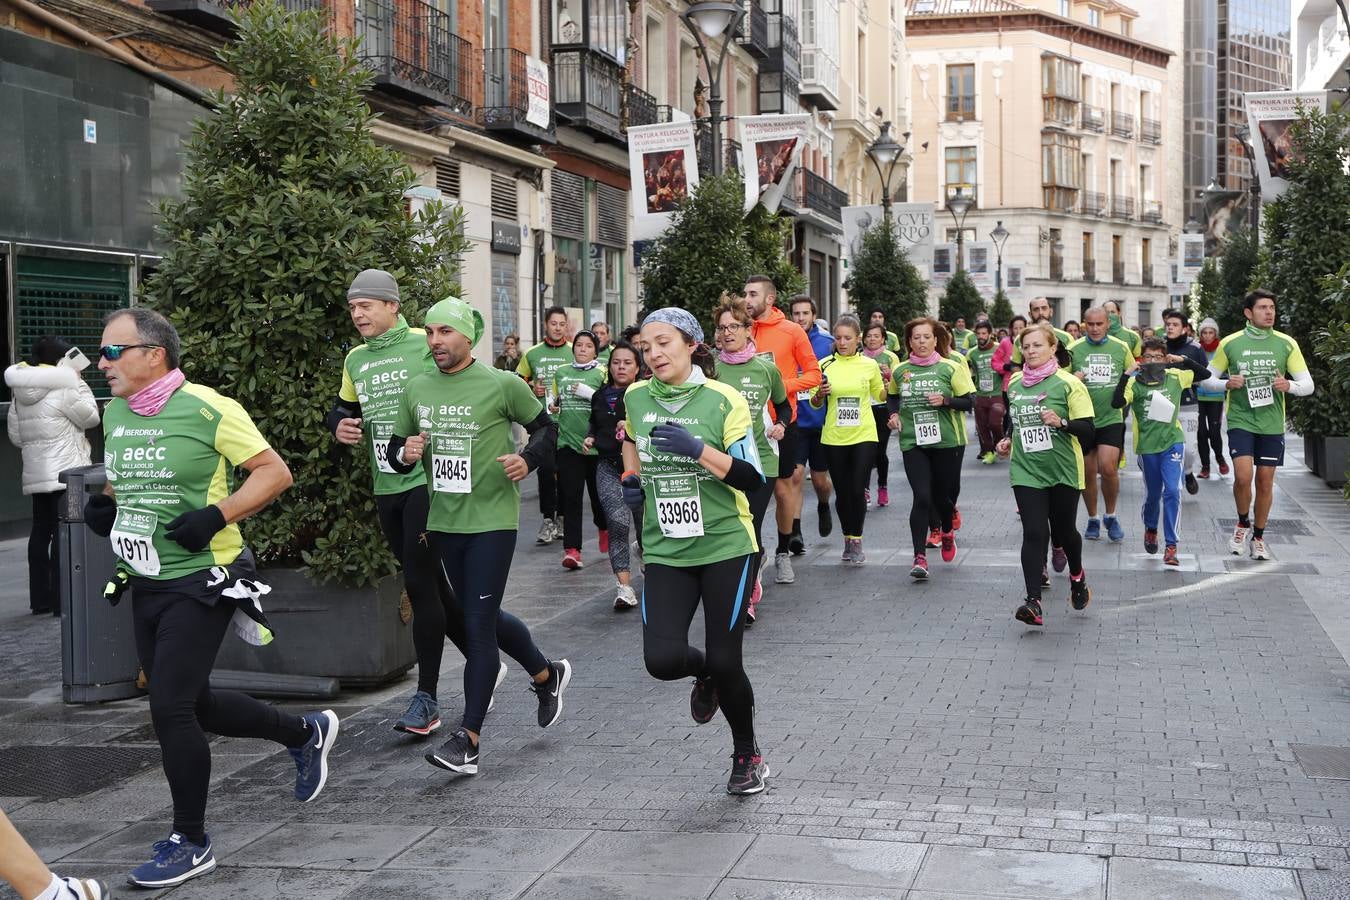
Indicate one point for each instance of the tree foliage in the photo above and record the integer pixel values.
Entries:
(1206, 290)
(961, 299)
(1307, 237)
(1237, 272)
(285, 197)
(1001, 311)
(882, 277)
(713, 246)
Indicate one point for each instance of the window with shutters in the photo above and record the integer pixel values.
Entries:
(568, 204)
(504, 205)
(447, 176)
(611, 221)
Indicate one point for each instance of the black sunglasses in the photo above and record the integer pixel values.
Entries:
(113, 352)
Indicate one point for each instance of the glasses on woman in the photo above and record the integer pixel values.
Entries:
(113, 352)
(727, 329)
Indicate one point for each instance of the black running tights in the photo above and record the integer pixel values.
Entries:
(478, 566)
(851, 472)
(670, 595)
(1210, 434)
(576, 476)
(177, 638)
(932, 473)
(1048, 513)
(881, 415)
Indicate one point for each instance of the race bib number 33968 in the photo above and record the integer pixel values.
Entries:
(679, 508)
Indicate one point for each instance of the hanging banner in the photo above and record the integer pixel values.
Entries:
(980, 266)
(944, 263)
(1269, 116)
(661, 160)
(1192, 256)
(536, 74)
(771, 148)
(1176, 286)
(1014, 280)
(913, 228)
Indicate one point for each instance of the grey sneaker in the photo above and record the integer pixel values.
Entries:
(423, 716)
(546, 533)
(782, 564)
(624, 597)
(856, 554)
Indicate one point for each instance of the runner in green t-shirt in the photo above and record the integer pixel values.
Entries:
(878, 317)
(1098, 360)
(1261, 365)
(171, 449)
(572, 387)
(456, 424)
(761, 384)
(604, 346)
(929, 396)
(537, 366)
(963, 339)
(1051, 415)
(1039, 310)
(874, 348)
(989, 406)
(691, 462)
(1118, 330)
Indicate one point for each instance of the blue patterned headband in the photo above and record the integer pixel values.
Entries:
(680, 318)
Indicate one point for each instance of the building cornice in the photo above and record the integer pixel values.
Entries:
(1035, 20)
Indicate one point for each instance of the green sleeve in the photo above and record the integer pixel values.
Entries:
(522, 405)
(348, 390)
(405, 422)
(1295, 364)
(962, 383)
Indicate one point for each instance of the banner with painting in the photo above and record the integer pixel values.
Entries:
(771, 148)
(663, 169)
(1270, 115)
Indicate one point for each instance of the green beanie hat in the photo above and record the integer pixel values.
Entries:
(459, 315)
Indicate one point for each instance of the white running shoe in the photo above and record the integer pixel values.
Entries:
(783, 574)
(1259, 549)
(501, 676)
(624, 597)
(1238, 543)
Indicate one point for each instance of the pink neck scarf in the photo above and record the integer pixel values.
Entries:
(745, 354)
(929, 360)
(872, 354)
(1034, 375)
(149, 400)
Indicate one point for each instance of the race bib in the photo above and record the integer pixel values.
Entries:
(379, 445)
(847, 412)
(131, 540)
(1099, 369)
(927, 431)
(804, 396)
(1160, 409)
(451, 465)
(679, 508)
(986, 381)
(1260, 392)
(1035, 438)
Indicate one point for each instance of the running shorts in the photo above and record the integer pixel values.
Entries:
(1265, 449)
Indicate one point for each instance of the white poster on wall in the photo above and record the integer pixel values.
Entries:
(1270, 115)
(1192, 256)
(944, 263)
(663, 170)
(913, 228)
(980, 266)
(771, 148)
(536, 74)
(1014, 280)
(1176, 285)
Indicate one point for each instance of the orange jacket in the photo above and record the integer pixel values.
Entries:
(791, 349)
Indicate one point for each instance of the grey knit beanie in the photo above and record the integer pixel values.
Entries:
(373, 284)
(1207, 323)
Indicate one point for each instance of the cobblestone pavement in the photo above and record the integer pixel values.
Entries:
(923, 743)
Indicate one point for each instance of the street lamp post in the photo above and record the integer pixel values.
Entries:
(1244, 136)
(885, 153)
(1000, 237)
(959, 205)
(707, 20)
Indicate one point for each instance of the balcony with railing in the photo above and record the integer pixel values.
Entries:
(967, 190)
(1117, 271)
(1089, 270)
(1146, 274)
(1122, 207)
(753, 32)
(1091, 203)
(818, 195)
(1122, 124)
(1150, 131)
(785, 51)
(641, 107)
(1093, 118)
(1152, 212)
(820, 78)
(409, 47)
(214, 15)
(588, 88)
(507, 108)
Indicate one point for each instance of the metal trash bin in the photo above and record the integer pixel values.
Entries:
(98, 640)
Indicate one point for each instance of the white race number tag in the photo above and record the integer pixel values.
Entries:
(679, 508)
(379, 445)
(1099, 369)
(1259, 392)
(927, 430)
(986, 381)
(804, 396)
(1035, 438)
(1160, 408)
(847, 412)
(131, 537)
(451, 465)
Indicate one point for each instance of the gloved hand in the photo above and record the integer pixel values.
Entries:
(633, 497)
(100, 512)
(194, 530)
(676, 440)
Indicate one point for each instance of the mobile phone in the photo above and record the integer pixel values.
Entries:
(74, 359)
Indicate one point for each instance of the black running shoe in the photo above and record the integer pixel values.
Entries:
(796, 545)
(703, 700)
(1079, 594)
(1045, 577)
(551, 691)
(748, 774)
(1030, 612)
(826, 523)
(1192, 486)
(458, 755)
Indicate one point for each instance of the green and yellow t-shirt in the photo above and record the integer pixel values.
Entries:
(375, 379)
(924, 425)
(691, 517)
(963, 340)
(892, 342)
(1042, 456)
(1102, 365)
(540, 362)
(177, 461)
(1157, 422)
(855, 383)
(1131, 337)
(761, 384)
(988, 383)
(573, 388)
(887, 362)
(1259, 355)
(467, 417)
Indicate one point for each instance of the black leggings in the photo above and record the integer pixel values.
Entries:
(548, 486)
(932, 473)
(851, 472)
(881, 415)
(436, 612)
(953, 493)
(177, 638)
(670, 594)
(44, 556)
(576, 475)
(759, 505)
(478, 566)
(1210, 432)
(1048, 513)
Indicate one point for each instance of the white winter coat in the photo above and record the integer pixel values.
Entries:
(52, 408)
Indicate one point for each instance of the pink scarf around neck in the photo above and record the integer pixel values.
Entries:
(745, 354)
(929, 360)
(149, 400)
(1034, 375)
(873, 354)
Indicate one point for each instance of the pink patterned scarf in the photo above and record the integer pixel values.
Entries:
(745, 354)
(149, 400)
(1034, 375)
(929, 360)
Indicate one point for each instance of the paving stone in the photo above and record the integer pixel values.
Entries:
(560, 886)
(443, 884)
(133, 843)
(830, 861)
(744, 889)
(1012, 874)
(330, 846)
(54, 840)
(1165, 880)
(1325, 885)
(490, 849)
(279, 883)
(629, 853)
